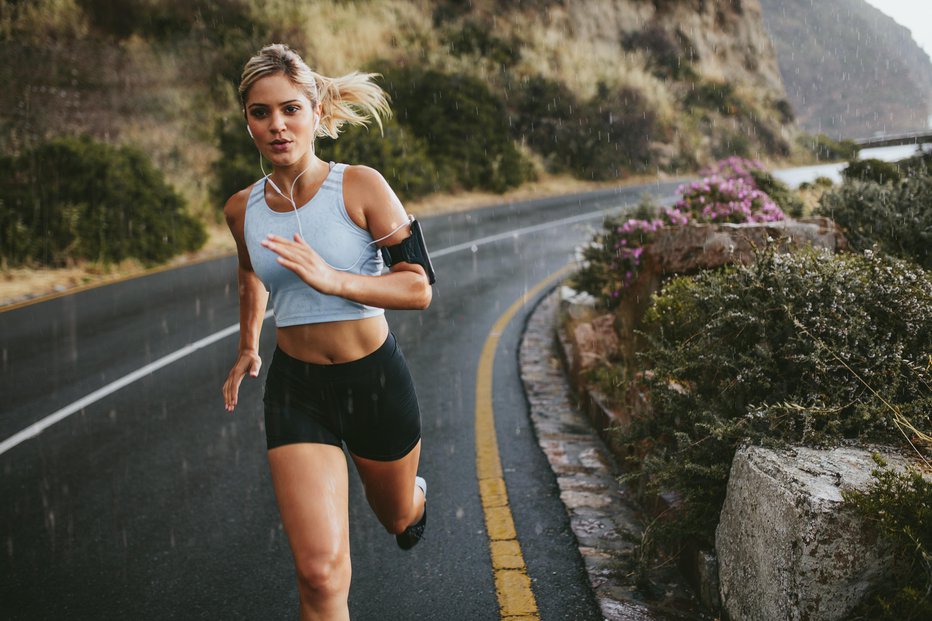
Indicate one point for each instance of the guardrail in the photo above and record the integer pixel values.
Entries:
(892, 140)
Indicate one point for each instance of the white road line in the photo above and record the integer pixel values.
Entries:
(41, 425)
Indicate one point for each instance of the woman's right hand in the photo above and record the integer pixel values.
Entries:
(247, 362)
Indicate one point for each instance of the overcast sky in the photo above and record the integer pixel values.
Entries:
(914, 14)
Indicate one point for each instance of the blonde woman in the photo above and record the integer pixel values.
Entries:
(308, 234)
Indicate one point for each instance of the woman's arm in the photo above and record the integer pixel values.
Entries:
(372, 204)
(252, 302)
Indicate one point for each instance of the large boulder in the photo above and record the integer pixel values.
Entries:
(788, 546)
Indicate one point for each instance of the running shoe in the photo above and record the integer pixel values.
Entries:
(415, 532)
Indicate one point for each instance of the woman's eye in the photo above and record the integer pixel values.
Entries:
(259, 114)
(292, 109)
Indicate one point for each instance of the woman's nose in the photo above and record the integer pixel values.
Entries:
(277, 122)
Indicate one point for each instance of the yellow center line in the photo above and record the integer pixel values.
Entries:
(513, 586)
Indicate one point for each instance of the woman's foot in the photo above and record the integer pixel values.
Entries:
(415, 532)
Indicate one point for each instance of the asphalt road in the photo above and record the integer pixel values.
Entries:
(154, 503)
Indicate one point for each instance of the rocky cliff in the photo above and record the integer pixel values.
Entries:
(849, 70)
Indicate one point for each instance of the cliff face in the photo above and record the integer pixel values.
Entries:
(701, 74)
(849, 69)
(582, 40)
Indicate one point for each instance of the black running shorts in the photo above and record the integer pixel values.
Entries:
(368, 403)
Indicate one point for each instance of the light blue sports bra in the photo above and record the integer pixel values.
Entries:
(330, 231)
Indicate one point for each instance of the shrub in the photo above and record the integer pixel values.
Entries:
(754, 174)
(666, 58)
(544, 113)
(899, 507)
(473, 38)
(399, 155)
(714, 199)
(896, 218)
(825, 148)
(602, 138)
(75, 198)
(612, 135)
(786, 199)
(877, 171)
(710, 95)
(462, 123)
(238, 164)
(920, 164)
(613, 258)
(789, 349)
(733, 168)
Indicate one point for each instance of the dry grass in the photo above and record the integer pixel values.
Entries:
(37, 20)
(21, 284)
(345, 36)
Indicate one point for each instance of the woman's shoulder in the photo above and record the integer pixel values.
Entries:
(235, 206)
(363, 184)
(362, 175)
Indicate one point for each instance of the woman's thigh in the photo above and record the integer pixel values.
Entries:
(310, 483)
(390, 484)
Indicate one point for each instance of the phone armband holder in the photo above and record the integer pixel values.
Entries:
(412, 249)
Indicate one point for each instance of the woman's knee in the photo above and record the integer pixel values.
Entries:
(323, 575)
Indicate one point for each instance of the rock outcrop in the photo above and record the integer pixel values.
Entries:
(788, 547)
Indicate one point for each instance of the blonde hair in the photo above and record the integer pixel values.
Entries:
(353, 98)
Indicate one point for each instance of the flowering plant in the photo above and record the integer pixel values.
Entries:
(717, 199)
(613, 259)
(733, 167)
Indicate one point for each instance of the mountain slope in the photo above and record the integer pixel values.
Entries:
(849, 70)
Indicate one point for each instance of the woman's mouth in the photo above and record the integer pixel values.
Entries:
(280, 146)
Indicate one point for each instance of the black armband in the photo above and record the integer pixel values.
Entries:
(412, 249)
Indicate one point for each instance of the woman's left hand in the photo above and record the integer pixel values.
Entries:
(304, 261)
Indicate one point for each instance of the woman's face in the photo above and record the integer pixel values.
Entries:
(281, 119)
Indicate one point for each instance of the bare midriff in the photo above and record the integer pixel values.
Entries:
(333, 342)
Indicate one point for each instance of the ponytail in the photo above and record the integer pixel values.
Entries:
(353, 98)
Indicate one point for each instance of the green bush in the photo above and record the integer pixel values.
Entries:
(788, 349)
(899, 507)
(73, 198)
(920, 164)
(667, 58)
(825, 148)
(543, 113)
(611, 135)
(399, 155)
(603, 138)
(474, 38)
(711, 95)
(238, 164)
(897, 218)
(785, 198)
(877, 171)
(462, 123)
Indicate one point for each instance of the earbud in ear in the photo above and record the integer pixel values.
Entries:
(249, 131)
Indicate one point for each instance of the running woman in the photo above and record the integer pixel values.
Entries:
(309, 234)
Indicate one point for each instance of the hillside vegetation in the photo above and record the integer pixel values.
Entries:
(486, 95)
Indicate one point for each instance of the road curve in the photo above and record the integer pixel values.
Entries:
(152, 502)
